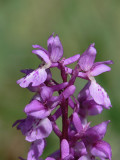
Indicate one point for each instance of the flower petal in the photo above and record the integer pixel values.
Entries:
(99, 95)
(92, 107)
(36, 150)
(99, 69)
(59, 86)
(41, 48)
(87, 58)
(36, 77)
(102, 149)
(41, 129)
(36, 109)
(80, 149)
(50, 158)
(84, 93)
(71, 59)
(42, 54)
(55, 48)
(77, 122)
(68, 91)
(33, 106)
(96, 133)
(71, 103)
(46, 93)
(84, 158)
(64, 148)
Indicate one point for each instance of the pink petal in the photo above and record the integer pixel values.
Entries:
(84, 93)
(87, 58)
(40, 131)
(97, 132)
(46, 93)
(92, 107)
(80, 149)
(37, 110)
(99, 69)
(84, 158)
(33, 106)
(68, 91)
(77, 122)
(50, 158)
(36, 150)
(99, 95)
(36, 77)
(59, 86)
(102, 149)
(64, 148)
(71, 103)
(55, 48)
(42, 54)
(71, 59)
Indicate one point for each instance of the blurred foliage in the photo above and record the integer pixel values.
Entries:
(78, 23)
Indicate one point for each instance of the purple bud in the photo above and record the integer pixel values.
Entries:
(64, 148)
(77, 122)
(46, 93)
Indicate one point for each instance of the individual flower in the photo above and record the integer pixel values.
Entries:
(91, 139)
(54, 54)
(88, 66)
(34, 129)
(43, 104)
(93, 98)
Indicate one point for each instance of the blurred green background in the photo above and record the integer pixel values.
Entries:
(78, 23)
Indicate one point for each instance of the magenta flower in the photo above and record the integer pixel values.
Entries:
(42, 105)
(93, 98)
(87, 64)
(54, 54)
(92, 139)
(34, 129)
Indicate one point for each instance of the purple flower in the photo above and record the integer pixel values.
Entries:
(92, 99)
(96, 133)
(34, 129)
(87, 64)
(92, 138)
(54, 54)
(43, 104)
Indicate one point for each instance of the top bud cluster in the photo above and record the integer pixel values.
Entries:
(78, 140)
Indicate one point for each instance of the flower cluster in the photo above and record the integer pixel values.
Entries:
(78, 140)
